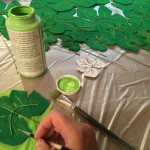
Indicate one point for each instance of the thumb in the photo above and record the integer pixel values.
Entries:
(41, 145)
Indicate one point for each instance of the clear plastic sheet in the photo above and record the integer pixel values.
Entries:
(118, 98)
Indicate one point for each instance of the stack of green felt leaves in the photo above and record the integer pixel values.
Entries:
(92, 22)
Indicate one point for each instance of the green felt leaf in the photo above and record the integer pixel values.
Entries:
(104, 12)
(67, 41)
(126, 43)
(102, 2)
(119, 20)
(49, 13)
(84, 25)
(70, 12)
(79, 36)
(124, 1)
(62, 5)
(123, 7)
(85, 3)
(87, 13)
(142, 8)
(46, 45)
(2, 6)
(4, 32)
(12, 4)
(50, 37)
(139, 21)
(55, 28)
(94, 41)
(2, 20)
(14, 112)
(39, 4)
(74, 46)
(106, 37)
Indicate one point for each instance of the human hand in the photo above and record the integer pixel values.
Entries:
(60, 129)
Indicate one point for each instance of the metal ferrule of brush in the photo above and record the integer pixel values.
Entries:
(67, 103)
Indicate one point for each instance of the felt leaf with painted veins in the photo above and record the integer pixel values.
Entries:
(89, 66)
(14, 112)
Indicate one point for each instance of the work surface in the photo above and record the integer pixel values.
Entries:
(118, 98)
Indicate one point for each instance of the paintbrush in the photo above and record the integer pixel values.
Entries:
(56, 146)
(55, 95)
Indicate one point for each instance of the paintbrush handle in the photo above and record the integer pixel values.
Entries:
(101, 127)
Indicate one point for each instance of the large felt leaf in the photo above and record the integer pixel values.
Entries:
(15, 110)
(85, 3)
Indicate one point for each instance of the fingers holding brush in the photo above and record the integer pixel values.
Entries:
(72, 134)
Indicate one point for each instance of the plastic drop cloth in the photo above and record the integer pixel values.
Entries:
(118, 98)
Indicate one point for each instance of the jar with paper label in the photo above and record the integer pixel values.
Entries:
(24, 29)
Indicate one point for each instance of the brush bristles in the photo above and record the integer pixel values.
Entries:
(55, 94)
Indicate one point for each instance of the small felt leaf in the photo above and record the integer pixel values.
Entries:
(123, 7)
(106, 37)
(87, 13)
(2, 20)
(94, 42)
(2, 6)
(103, 2)
(67, 41)
(104, 12)
(125, 43)
(46, 45)
(70, 12)
(84, 25)
(13, 111)
(74, 46)
(37, 4)
(55, 28)
(62, 5)
(48, 13)
(78, 35)
(119, 20)
(85, 3)
(50, 37)
(141, 8)
(12, 4)
(4, 32)
(124, 1)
